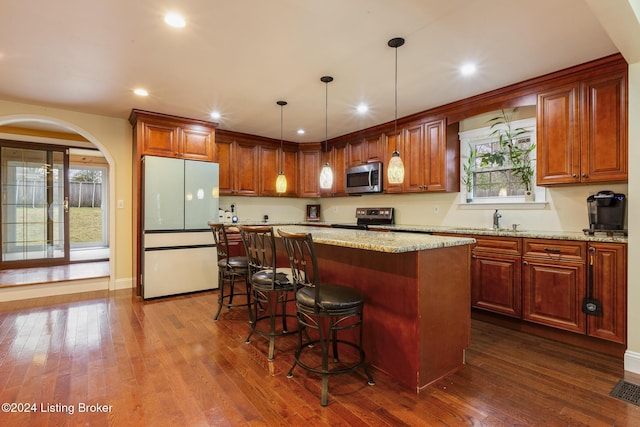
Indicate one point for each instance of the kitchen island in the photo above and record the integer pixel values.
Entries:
(417, 296)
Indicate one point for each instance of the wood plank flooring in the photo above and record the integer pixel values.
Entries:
(166, 362)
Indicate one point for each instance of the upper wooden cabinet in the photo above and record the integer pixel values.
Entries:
(272, 160)
(169, 136)
(582, 131)
(309, 159)
(365, 150)
(431, 156)
(338, 158)
(239, 165)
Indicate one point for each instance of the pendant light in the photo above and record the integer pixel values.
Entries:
(281, 181)
(326, 174)
(395, 170)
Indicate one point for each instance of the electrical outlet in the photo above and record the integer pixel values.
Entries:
(436, 209)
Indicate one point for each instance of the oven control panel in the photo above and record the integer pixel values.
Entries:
(374, 213)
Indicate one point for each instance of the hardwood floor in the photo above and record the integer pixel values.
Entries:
(167, 362)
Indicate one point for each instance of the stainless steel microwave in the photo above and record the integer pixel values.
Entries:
(365, 178)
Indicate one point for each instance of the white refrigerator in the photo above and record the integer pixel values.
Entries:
(178, 250)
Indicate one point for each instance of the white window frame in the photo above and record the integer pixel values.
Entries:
(474, 137)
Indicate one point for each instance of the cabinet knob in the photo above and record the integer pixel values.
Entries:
(584, 175)
(592, 250)
(525, 263)
(474, 256)
(575, 175)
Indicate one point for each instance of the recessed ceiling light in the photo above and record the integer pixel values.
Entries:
(362, 108)
(468, 69)
(175, 20)
(215, 115)
(141, 92)
(300, 131)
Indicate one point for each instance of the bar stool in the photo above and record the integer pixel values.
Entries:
(325, 308)
(230, 270)
(271, 287)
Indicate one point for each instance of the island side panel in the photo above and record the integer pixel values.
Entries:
(445, 309)
(391, 318)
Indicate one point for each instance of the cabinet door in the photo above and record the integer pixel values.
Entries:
(435, 156)
(197, 144)
(338, 158)
(495, 283)
(309, 178)
(610, 288)
(289, 162)
(558, 136)
(604, 129)
(413, 157)
(246, 168)
(160, 140)
(224, 149)
(269, 168)
(553, 293)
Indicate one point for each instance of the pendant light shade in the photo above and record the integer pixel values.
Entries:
(326, 174)
(395, 170)
(281, 181)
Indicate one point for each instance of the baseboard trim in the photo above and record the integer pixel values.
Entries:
(632, 361)
(54, 289)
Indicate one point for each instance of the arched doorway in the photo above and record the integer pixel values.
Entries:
(35, 130)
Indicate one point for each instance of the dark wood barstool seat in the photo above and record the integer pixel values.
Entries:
(231, 269)
(333, 312)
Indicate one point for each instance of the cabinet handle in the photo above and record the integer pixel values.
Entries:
(552, 250)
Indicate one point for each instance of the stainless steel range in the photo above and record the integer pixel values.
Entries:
(369, 216)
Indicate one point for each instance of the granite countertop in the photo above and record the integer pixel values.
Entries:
(322, 227)
(377, 240)
(558, 235)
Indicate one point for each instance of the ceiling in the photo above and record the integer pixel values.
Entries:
(240, 57)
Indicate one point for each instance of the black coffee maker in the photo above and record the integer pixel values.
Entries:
(606, 211)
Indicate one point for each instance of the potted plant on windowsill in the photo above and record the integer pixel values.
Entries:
(467, 177)
(517, 152)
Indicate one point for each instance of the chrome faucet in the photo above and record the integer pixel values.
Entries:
(496, 220)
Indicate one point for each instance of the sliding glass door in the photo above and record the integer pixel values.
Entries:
(34, 207)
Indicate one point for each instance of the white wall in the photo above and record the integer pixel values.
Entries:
(566, 209)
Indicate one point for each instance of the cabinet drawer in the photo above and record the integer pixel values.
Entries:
(555, 250)
(498, 245)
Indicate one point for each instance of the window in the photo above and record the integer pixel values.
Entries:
(493, 173)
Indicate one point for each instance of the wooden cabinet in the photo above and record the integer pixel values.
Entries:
(365, 150)
(609, 274)
(309, 159)
(553, 282)
(338, 158)
(582, 131)
(239, 165)
(431, 156)
(273, 159)
(169, 136)
(496, 275)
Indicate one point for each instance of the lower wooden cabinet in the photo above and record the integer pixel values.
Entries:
(545, 281)
(553, 293)
(495, 275)
(609, 275)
